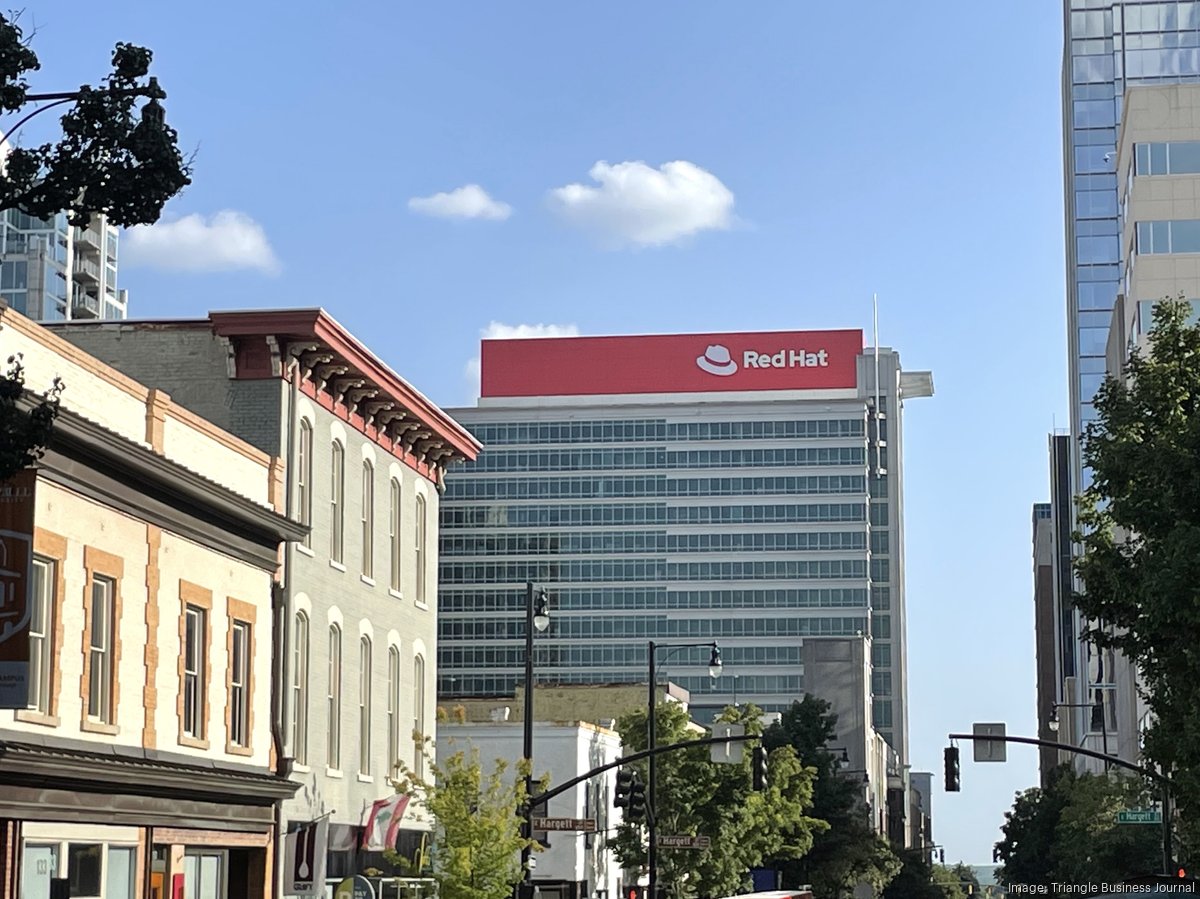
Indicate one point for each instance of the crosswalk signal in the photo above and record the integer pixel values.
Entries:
(953, 783)
(758, 768)
(637, 800)
(624, 787)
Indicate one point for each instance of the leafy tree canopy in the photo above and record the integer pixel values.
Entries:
(1140, 530)
(699, 797)
(25, 431)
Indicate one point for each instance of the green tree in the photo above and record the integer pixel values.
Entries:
(477, 827)
(1140, 529)
(699, 797)
(919, 878)
(966, 879)
(849, 851)
(25, 426)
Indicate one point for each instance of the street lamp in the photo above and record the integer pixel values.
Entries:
(537, 619)
(714, 671)
(845, 757)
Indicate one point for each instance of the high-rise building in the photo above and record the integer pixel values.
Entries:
(51, 271)
(739, 488)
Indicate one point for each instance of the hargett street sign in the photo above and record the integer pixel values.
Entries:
(1140, 816)
(683, 842)
(588, 825)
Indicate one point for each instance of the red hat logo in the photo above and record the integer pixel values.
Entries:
(716, 361)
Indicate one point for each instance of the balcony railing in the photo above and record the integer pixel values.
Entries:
(84, 306)
(89, 237)
(86, 270)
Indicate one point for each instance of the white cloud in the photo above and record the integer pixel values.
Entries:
(467, 202)
(501, 331)
(643, 206)
(228, 241)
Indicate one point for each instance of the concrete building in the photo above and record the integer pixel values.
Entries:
(1045, 645)
(742, 488)
(363, 457)
(599, 704)
(147, 752)
(576, 864)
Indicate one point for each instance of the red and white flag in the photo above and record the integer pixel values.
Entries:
(382, 824)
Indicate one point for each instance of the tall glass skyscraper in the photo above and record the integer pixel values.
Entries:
(746, 489)
(1109, 45)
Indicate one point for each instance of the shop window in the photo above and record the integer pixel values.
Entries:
(83, 868)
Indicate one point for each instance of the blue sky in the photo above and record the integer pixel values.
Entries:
(911, 150)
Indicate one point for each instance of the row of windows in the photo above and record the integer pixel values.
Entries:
(586, 627)
(651, 486)
(490, 684)
(301, 672)
(500, 515)
(608, 654)
(1167, 158)
(651, 570)
(658, 430)
(651, 458)
(337, 514)
(598, 542)
(1181, 236)
(616, 598)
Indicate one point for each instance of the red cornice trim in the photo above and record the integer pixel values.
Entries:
(327, 402)
(316, 324)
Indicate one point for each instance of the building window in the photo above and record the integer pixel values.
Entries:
(368, 519)
(194, 631)
(304, 472)
(41, 641)
(1180, 236)
(333, 743)
(337, 502)
(239, 684)
(393, 709)
(419, 716)
(300, 691)
(100, 651)
(364, 706)
(394, 534)
(419, 532)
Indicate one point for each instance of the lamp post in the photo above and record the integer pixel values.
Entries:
(714, 671)
(537, 618)
(1097, 706)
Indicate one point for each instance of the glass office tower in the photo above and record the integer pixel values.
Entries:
(760, 519)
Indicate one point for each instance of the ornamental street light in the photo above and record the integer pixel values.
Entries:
(537, 619)
(714, 671)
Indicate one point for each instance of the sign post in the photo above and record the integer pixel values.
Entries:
(16, 576)
(1139, 816)
(989, 750)
(727, 753)
(587, 825)
(684, 842)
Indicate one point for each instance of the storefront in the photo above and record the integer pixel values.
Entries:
(133, 824)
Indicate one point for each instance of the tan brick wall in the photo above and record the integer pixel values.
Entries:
(150, 653)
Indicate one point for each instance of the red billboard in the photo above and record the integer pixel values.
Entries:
(671, 363)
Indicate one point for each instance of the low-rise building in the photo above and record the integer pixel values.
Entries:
(147, 545)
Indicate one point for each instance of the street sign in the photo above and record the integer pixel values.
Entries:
(587, 825)
(1139, 816)
(683, 842)
(727, 753)
(989, 750)
(356, 887)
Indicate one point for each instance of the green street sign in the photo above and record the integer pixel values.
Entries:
(1139, 816)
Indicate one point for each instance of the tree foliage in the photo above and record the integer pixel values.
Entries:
(699, 797)
(1067, 832)
(477, 827)
(110, 159)
(1140, 530)
(849, 851)
(919, 878)
(25, 432)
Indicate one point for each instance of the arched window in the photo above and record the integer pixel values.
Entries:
(368, 519)
(337, 501)
(419, 715)
(420, 546)
(333, 743)
(394, 534)
(393, 709)
(304, 473)
(364, 705)
(300, 690)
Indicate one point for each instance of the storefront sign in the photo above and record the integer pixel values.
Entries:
(304, 859)
(671, 363)
(16, 571)
(356, 887)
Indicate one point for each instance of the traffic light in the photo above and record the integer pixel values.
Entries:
(624, 787)
(758, 768)
(953, 784)
(637, 800)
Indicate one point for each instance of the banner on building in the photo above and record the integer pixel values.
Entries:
(382, 824)
(304, 853)
(16, 575)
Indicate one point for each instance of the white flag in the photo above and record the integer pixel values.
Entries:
(382, 823)
(304, 859)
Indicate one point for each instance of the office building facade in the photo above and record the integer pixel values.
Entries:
(739, 488)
